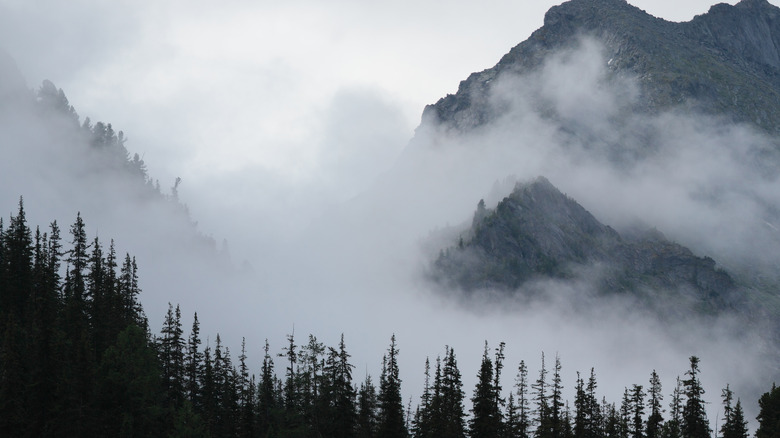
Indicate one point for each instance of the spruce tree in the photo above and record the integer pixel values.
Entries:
(769, 414)
(655, 420)
(673, 427)
(734, 425)
(193, 364)
(523, 414)
(391, 422)
(542, 414)
(450, 406)
(485, 419)
(267, 398)
(694, 416)
(638, 411)
(367, 405)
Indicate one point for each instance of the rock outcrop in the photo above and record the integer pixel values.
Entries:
(724, 62)
(537, 232)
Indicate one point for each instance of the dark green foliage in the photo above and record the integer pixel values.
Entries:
(77, 359)
(769, 414)
(129, 388)
(734, 425)
(694, 416)
(522, 427)
(390, 422)
(655, 420)
(673, 427)
(367, 410)
(587, 410)
(485, 415)
(441, 413)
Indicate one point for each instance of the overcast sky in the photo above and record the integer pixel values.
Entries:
(300, 105)
(204, 88)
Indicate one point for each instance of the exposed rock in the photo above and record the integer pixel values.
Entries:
(724, 62)
(537, 232)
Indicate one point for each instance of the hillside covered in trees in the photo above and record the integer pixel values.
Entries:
(77, 358)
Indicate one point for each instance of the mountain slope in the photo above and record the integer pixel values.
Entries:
(539, 233)
(724, 62)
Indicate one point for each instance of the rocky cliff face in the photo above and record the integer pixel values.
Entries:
(724, 62)
(539, 233)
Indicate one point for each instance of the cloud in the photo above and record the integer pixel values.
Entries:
(260, 147)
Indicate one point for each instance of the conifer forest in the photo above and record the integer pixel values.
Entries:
(77, 358)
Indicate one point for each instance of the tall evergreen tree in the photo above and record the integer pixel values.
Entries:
(523, 410)
(485, 419)
(769, 414)
(734, 425)
(171, 351)
(655, 420)
(448, 399)
(556, 403)
(694, 416)
(541, 397)
(193, 364)
(673, 427)
(367, 406)
(391, 422)
(16, 265)
(267, 405)
(638, 411)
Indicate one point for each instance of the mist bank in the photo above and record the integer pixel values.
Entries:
(355, 267)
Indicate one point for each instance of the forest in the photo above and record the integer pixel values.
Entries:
(78, 359)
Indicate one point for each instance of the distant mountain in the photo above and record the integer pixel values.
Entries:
(722, 67)
(539, 233)
(63, 164)
(725, 62)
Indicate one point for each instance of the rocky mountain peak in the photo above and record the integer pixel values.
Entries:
(724, 62)
(537, 232)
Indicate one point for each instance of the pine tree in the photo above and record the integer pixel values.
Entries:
(556, 403)
(16, 265)
(655, 420)
(638, 411)
(421, 426)
(734, 425)
(367, 405)
(193, 364)
(267, 405)
(449, 403)
(580, 408)
(171, 351)
(542, 420)
(594, 418)
(673, 427)
(521, 385)
(485, 419)
(246, 396)
(129, 388)
(391, 423)
(694, 417)
(769, 414)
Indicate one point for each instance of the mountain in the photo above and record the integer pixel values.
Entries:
(539, 233)
(724, 62)
(63, 165)
(679, 96)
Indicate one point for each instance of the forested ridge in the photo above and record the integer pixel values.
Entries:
(77, 358)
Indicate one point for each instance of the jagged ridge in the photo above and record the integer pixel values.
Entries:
(724, 62)
(538, 232)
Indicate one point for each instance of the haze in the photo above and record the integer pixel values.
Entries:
(289, 126)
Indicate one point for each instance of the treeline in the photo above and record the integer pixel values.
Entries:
(77, 359)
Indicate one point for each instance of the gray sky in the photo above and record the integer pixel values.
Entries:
(274, 113)
(203, 87)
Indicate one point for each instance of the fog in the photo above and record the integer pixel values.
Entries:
(339, 240)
